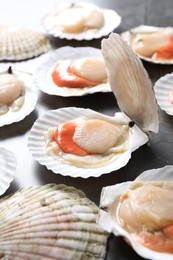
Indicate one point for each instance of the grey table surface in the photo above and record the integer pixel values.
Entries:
(14, 137)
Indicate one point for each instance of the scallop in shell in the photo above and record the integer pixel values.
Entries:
(18, 42)
(43, 78)
(50, 222)
(18, 95)
(46, 152)
(163, 88)
(86, 21)
(148, 43)
(8, 166)
(149, 202)
(59, 151)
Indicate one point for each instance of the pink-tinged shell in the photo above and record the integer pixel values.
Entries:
(50, 222)
(130, 83)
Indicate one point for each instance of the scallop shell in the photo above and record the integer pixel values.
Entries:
(50, 222)
(43, 81)
(8, 165)
(111, 18)
(53, 118)
(110, 194)
(129, 36)
(130, 83)
(162, 88)
(31, 95)
(19, 42)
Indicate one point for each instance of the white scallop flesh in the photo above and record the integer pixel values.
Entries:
(79, 19)
(95, 19)
(92, 69)
(97, 136)
(10, 89)
(149, 203)
(146, 44)
(130, 83)
(107, 144)
(74, 23)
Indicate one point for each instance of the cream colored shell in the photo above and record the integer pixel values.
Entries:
(18, 42)
(129, 36)
(111, 22)
(109, 205)
(50, 222)
(43, 80)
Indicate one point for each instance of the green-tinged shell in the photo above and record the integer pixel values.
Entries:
(50, 222)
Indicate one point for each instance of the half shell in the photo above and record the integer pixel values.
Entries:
(109, 202)
(111, 22)
(99, 163)
(19, 42)
(30, 99)
(50, 222)
(162, 89)
(43, 79)
(145, 29)
(8, 165)
(130, 83)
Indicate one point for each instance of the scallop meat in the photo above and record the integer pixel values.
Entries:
(153, 44)
(86, 21)
(81, 142)
(141, 212)
(72, 71)
(18, 95)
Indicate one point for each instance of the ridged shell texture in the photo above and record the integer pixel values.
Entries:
(50, 222)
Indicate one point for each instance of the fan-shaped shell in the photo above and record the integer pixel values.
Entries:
(110, 201)
(50, 222)
(130, 83)
(84, 167)
(43, 80)
(111, 22)
(30, 98)
(146, 29)
(162, 88)
(18, 42)
(8, 166)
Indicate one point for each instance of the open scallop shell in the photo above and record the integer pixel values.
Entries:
(110, 194)
(162, 88)
(8, 165)
(30, 99)
(43, 79)
(130, 83)
(129, 36)
(111, 18)
(19, 42)
(50, 222)
(53, 118)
